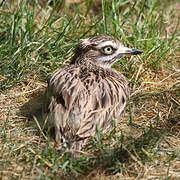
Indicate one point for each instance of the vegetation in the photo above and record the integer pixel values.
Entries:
(38, 37)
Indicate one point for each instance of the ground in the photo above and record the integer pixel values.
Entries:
(37, 40)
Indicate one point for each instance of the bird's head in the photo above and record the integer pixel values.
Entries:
(102, 50)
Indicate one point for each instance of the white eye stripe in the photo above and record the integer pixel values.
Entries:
(107, 43)
(108, 57)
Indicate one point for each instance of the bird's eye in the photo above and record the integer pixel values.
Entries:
(108, 50)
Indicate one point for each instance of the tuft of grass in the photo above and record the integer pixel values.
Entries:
(38, 37)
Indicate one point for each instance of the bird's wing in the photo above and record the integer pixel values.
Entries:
(106, 102)
(81, 102)
(63, 87)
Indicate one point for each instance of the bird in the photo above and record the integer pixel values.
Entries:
(87, 94)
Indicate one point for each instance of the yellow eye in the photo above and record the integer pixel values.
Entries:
(108, 50)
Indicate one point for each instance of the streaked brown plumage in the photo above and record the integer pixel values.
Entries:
(88, 94)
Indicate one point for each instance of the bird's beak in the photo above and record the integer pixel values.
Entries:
(136, 51)
(131, 51)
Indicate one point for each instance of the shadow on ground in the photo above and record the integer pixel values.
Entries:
(34, 108)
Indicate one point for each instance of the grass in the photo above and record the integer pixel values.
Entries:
(36, 39)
